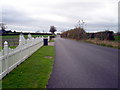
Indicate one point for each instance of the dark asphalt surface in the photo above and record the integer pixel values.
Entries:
(83, 65)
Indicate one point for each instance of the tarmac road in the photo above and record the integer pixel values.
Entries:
(83, 65)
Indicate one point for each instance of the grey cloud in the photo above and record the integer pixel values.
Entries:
(74, 11)
(84, 6)
(11, 15)
(102, 26)
(18, 20)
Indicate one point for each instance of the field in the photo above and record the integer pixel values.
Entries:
(117, 38)
(13, 41)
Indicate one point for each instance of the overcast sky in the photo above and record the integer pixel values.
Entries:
(39, 15)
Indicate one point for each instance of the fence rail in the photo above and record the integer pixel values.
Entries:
(10, 58)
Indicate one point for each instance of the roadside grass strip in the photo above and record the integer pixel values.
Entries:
(33, 72)
(52, 41)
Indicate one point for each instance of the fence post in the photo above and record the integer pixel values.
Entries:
(6, 54)
(29, 36)
(42, 40)
(20, 44)
(48, 38)
(0, 69)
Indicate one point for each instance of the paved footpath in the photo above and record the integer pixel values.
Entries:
(83, 65)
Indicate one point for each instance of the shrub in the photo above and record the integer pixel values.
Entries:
(76, 33)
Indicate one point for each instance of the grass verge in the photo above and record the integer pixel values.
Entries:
(106, 43)
(112, 44)
(32, 73)
(117, 38)
(26, 36)
(52, 40)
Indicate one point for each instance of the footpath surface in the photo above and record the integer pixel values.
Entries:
(83, 65)
(51, 43)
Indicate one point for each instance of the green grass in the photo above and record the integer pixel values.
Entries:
(13, 36)
(105, 45)
(1, 48)
(41, 35)
(26, 36)
(9, 47)
(117, 38)
(52, 41)
(32, 73)
(17, 36)
(0, 85)
(13, 47)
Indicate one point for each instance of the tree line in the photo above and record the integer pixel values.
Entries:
(79, 33)
(3, 31)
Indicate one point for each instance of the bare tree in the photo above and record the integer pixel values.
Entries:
(52, 29)
(81, 24)
(3, 26)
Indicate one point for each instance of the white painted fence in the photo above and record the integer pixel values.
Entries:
(10, 58)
